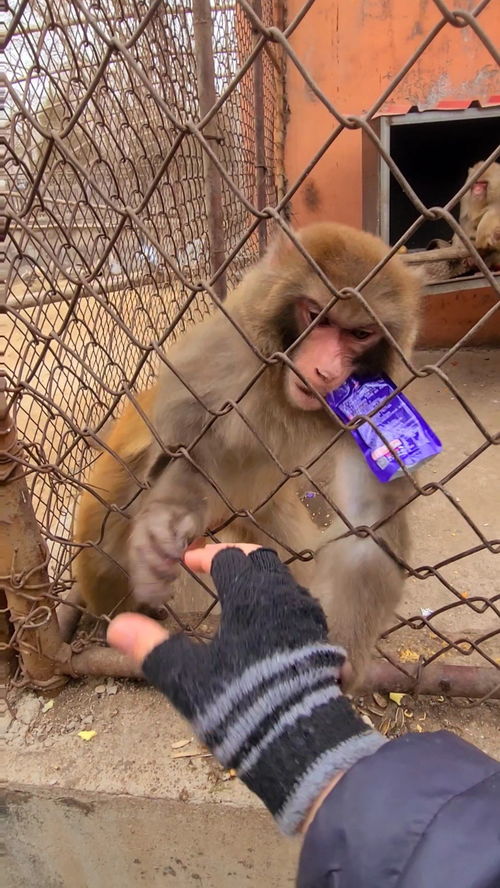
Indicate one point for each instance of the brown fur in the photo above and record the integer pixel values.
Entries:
(488, 235)
(358, 584)
(101, 581)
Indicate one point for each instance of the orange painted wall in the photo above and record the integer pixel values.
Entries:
(352, 49)
(446, 317)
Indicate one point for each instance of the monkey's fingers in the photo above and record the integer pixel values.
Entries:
(135, 635)
(200, 560)
(159, 539)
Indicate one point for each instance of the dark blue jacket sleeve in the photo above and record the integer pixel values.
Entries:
(421, 812)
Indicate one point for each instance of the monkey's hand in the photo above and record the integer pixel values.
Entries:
(160, 536)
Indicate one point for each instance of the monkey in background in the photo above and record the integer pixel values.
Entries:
(480, 212)
(209, 407)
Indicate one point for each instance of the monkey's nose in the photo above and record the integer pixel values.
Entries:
(324, 375)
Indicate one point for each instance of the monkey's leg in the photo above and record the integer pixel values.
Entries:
(104, 585)
(358, 583)
(101, 569)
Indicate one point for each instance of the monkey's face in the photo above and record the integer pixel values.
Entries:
(329, 354)
(479, 192)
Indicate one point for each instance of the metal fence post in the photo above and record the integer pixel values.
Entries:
(205, 73)
(260, 145)
(24, 577)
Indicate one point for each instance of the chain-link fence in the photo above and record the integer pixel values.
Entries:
(145, 166)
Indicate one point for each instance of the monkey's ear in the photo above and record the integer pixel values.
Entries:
(279, 250)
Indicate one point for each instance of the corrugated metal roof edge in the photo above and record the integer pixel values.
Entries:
(445, 105)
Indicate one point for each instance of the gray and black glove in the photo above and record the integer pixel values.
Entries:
(264, 695)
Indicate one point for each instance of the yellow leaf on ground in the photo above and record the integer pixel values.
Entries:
(396, 698)
(408, 656)
(87, 735)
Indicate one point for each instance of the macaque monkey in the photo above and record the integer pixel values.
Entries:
(199, 477)
(482, 199)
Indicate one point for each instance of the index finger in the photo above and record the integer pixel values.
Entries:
(200, 560)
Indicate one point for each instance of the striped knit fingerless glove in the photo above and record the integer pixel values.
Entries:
(264, 695)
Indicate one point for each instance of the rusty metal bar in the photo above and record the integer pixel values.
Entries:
(100, 661)
(23, 567)
(260, 144)
(207, 96)
(66, 290)
(280, 116)
(440, 264)
(435, 680)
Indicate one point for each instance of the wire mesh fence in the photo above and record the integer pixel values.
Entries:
(145, 172)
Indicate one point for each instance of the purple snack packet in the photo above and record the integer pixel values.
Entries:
(401, 424)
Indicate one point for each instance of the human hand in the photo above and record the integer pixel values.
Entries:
(264, 695)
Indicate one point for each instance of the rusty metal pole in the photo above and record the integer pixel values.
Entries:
(260, 143)
(101, 661)
(281, 110)
(435, 679)
(23, 567)
(205, 75)
(474, 682)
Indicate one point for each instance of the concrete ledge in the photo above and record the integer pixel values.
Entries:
(120, 810)
(94, 840)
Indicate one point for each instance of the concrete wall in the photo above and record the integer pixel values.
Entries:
(90, 840)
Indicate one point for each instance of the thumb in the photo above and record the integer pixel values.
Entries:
(135, 635)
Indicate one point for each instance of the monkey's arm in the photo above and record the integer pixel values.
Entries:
(178, 505)
(174, 514)
(101, 565)
(183, 498)
(358, 583)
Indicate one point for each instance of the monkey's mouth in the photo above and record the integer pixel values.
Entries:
(479, 188)
(305, 391)
(302, 397)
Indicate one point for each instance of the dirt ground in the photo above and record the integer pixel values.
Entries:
(141, 747)
(139, 737)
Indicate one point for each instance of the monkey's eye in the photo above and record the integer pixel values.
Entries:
(361, 334)
(313, 314)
